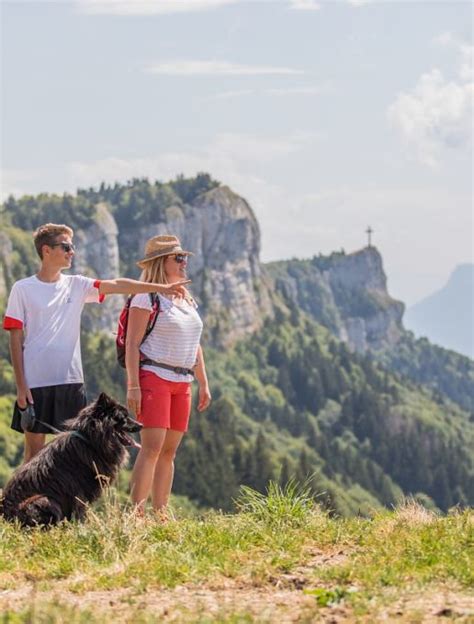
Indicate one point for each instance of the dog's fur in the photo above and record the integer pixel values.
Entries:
(71, 471)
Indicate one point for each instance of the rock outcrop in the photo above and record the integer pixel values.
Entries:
(346, 293)
(220, 228)
(97, 255)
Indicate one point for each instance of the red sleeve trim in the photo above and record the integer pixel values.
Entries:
(12, 323)
(97, 285)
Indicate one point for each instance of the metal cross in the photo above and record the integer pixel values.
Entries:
(369, 231)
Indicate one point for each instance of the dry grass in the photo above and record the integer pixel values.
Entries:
(281, 559)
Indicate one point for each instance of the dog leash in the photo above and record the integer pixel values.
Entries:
(73, 432)
(33, 419)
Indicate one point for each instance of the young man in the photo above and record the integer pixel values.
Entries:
(43, 317)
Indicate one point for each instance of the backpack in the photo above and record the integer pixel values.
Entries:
(121, 339)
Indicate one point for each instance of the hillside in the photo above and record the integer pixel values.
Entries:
(347, 293)
(447, 316)
(280, 559)
(311, 369)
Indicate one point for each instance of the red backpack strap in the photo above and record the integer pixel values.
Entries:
(155, 310)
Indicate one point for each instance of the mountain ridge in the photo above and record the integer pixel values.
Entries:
(446, 316)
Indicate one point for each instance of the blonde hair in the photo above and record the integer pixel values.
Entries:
(46, 235)
(154, 272)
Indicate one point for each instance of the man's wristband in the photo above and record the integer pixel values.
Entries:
(133, 388)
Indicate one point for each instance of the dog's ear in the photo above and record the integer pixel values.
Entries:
(103, 400)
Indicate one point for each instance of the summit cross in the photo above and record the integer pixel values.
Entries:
(369, 232)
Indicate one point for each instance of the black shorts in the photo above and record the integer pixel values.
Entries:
(53, 405)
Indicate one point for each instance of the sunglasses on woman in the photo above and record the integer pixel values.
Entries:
(67, 247)
(179, 258)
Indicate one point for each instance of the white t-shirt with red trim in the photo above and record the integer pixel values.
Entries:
(50, 315)
(175, 337)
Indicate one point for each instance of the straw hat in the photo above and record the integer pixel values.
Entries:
(162, 245)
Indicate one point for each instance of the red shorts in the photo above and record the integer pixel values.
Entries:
(165, 404)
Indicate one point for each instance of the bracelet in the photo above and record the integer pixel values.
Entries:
(133, 388)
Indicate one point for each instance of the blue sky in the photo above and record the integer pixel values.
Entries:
(325, 116)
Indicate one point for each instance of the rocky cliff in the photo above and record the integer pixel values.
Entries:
(346, 293)
(220, 228)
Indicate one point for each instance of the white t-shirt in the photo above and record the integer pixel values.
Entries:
(175, 337)
(50, 316)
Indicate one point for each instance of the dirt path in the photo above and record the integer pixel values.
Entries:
(281, 600)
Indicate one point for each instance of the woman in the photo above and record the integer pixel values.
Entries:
(160, 371)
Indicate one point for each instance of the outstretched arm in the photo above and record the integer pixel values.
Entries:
(124, 286)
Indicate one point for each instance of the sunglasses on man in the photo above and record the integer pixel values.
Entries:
(67, 247)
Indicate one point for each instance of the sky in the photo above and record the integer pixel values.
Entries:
(326, 116)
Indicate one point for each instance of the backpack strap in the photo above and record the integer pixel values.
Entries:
(155, 310)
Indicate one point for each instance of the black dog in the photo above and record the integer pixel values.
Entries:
(72, 469)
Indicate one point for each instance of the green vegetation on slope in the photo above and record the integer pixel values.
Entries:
(296, 403)
(304, 283)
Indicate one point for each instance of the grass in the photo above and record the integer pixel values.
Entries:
(235, 568)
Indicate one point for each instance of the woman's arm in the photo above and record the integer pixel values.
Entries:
(125, 286)
(137, 323)
(201, 376)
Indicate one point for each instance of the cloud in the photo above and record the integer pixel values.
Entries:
(437, 113)
(305, 5)
(215, 68)
(465, 53)
(147, 7)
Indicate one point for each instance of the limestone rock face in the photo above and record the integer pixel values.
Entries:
(362, 269)
(221, 230)
(346, 293)
(97, 255)
(371, 318)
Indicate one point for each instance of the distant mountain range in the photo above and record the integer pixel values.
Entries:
(447, 316)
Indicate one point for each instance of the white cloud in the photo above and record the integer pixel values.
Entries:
(305, 5)
(465, 54)
(437, 113)
(147, 7)
(215, 68)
